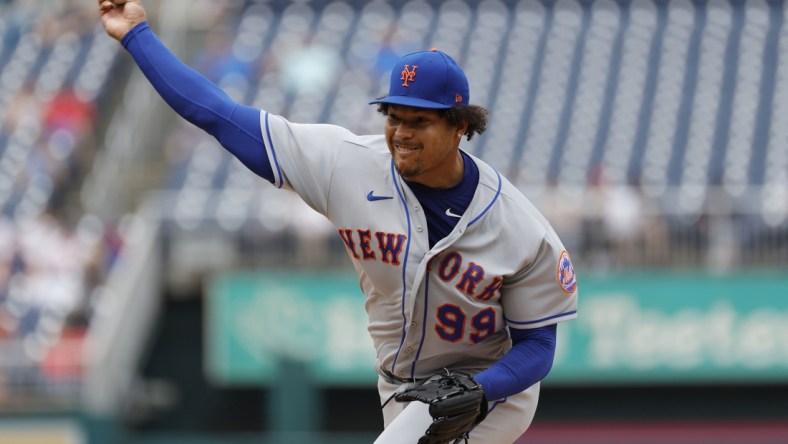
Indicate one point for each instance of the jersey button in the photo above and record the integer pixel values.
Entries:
(416, 208)
(419, 229)
(413, 324)
(409, 350)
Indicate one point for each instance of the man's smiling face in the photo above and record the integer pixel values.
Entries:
(424, 145)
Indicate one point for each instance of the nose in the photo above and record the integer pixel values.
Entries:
(402, 131)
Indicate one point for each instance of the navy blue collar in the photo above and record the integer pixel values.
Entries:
(442, 206)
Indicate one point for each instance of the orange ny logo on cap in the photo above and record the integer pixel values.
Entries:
(408, 75)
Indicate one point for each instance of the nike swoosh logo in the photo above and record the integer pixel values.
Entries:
(450, 214)
(372, 198)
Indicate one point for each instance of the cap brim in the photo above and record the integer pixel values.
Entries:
(411, 101)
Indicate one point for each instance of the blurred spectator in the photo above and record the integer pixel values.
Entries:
(68, 133)
(24, 105)
(656, 248)
(101, 243)
(312, 68)
(563, 207)
(7, 243)
(623, 221)
(723, 251)
(67, 111)
(62, 365)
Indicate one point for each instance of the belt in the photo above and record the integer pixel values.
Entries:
(391, 378)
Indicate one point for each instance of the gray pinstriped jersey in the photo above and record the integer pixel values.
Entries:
(429, 308)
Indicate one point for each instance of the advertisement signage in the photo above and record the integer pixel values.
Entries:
(631, 328)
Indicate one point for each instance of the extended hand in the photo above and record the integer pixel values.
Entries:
(119, 16)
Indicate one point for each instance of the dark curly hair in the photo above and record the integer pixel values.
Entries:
(475, 115)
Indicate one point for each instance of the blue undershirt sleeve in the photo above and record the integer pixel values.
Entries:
(200, 101)
(527, 363)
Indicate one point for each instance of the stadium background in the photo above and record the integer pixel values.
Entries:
(153, 291)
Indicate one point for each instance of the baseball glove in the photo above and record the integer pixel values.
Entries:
(457, 403)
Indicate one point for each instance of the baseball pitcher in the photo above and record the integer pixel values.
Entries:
(464, 280)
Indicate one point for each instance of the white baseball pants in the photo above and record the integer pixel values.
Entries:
(405, 423)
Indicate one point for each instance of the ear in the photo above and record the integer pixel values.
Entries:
(462, 128)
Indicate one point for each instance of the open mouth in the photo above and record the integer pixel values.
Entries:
(405, 149)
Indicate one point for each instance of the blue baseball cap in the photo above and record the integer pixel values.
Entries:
(427, 79)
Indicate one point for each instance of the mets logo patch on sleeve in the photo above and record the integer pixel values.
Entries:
(566, 273)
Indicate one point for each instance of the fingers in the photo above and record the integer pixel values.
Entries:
(120, 16)
(105, 5)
